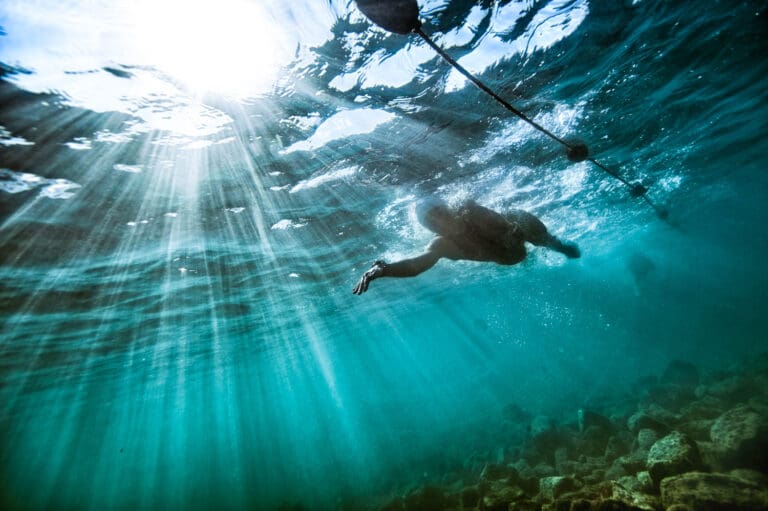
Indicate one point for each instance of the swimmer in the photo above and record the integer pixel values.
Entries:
(473, 233)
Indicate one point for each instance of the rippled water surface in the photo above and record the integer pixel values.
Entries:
(189, 191)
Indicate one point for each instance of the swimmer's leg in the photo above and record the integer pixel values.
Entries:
(535, 232)
(567, 248)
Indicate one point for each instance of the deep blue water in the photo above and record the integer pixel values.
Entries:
(188, 195)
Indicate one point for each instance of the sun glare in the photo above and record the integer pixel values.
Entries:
(232, 47)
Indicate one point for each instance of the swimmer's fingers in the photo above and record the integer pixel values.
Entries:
(375, 272)
(361, 286)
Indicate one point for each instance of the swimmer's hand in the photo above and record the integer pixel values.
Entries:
(376, 271)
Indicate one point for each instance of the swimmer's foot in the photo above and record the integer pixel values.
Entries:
(567, 248)
(571, 250)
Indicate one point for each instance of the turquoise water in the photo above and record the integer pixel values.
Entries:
(189, 194)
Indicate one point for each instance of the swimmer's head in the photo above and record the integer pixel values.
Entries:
(435, 216)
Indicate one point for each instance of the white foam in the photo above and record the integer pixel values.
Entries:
(343, 124)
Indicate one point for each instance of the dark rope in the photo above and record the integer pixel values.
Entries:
(487, 89)
(575, 151)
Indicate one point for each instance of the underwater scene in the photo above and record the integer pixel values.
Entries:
(486, 255)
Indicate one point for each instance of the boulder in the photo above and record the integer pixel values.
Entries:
(541, 425)
(642, 420)
(395, 504)
(713, 492)
(645, 440)
(588, 419)
(496, 471)
(633, 462)
(740, 439)
(545, 439)
(428, 498)
(674, 454)
(550, 488)
(669, 397)
(726, 388)
(543, 470)
(617, 446)
(638, 483)
(661, 414)
(752, 476)
(524, 505)
(470, 496)
(608, 496)
(697, 429)
(498, 495)
(646, 483)
(707, 407)
(593, 440)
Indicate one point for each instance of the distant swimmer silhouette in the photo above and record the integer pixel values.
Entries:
(470, 232)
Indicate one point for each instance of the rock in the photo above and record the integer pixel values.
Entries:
(524, 505)
(615, 472)
(726, 388)
(680, 373)
(759, 404)
(642, 420)
(697, 429)
(498, 495)
(395, 505)
(639, 483)
(670, 397)
(470, 497)
(593, 440)
(428, 498)
(594, 477)
(526, 474)
(753, 476)
(543, 470)
(713, 492)
(633, 462)
(645, 439)
(609, 496)
(661, 414)
(707, 407)
(674, 454)
(495, 471)
(645, 480)
(616, 446)
(550, 488)
(541, 424)
(545, 439)
(740, 439)
(588, 419)
(630, 483)
(561, 455)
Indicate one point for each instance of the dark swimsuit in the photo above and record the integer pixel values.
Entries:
(479, 233)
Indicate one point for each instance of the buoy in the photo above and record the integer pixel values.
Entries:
(402, 17)
(399, 16)
(577, 152)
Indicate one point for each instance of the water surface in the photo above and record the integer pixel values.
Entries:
(188, 194)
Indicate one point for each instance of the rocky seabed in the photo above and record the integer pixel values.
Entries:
(693, 443)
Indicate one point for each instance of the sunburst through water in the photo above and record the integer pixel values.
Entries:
(189, 192)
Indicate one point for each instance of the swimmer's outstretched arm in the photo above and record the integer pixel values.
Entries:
(405, 268)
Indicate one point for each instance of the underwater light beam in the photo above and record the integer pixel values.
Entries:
(402, 17)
